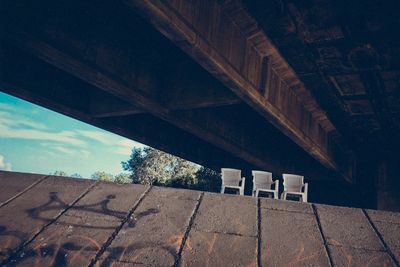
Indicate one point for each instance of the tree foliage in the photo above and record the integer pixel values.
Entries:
(151, 166)
(208, 180)
(123, 178)
(76, 175)
(102, 176)
(59, 173)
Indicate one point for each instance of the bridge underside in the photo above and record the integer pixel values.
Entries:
(127, 78)
(201, 81)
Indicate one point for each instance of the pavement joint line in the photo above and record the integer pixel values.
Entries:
(291, 211)
(259, 232)
(23, 191)
(16, 251)
(380, 221)
(357, 248)
(188, 228)
(224, 233)
(383, 242)
(119, 227)
(314, 208)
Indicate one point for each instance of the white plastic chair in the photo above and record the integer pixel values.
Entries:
(293, 185)
(262, 182)
(231, 178)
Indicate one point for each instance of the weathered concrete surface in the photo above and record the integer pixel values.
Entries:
(218, 249)
(79, 234)
(290, 235)
(14, 183)
(224, 232)
(347, 227)
(388, 225)
(289, 206)
(351, 237)
(347, 256)
(156, 229)
(25, 216)
(128, 225)
(227, 214)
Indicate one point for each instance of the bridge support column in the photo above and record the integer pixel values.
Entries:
(388, 186)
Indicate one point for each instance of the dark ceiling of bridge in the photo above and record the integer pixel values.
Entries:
(348, 54)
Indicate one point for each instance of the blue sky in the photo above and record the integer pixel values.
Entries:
(37, 140)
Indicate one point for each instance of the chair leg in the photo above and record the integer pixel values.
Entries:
(283, 197)
(276, 195)
(305, 198)
(222, 189)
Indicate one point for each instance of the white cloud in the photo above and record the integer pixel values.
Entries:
(6, 166)
(17, 126)
(98, 136)
(84, 153)
(11, 119)
(119, 144)
(130, 143)
(125, 146)
(62, 137)
(123, 150)
(52, 148)
(64, 150)
(15, 123)
(5, 106)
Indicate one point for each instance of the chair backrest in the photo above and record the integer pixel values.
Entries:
(293, 182)
(262, 179)
(231, 176)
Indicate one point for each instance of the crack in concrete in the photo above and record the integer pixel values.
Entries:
(119, 227)
(188, 228)
(322, 235)
(387, 249)
(17, 250)
(224, 233)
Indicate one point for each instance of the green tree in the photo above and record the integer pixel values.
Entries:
(59, 173)
(151, 166)
(102, 176)
(208, 180)
(123, 178)
(76, 175)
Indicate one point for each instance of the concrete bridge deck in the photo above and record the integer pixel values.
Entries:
(59, 221)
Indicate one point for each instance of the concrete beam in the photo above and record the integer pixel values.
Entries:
(102, 81)
(174, 100)
(137, 97)
(77, 99)
(149, 73)
(223, 38)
